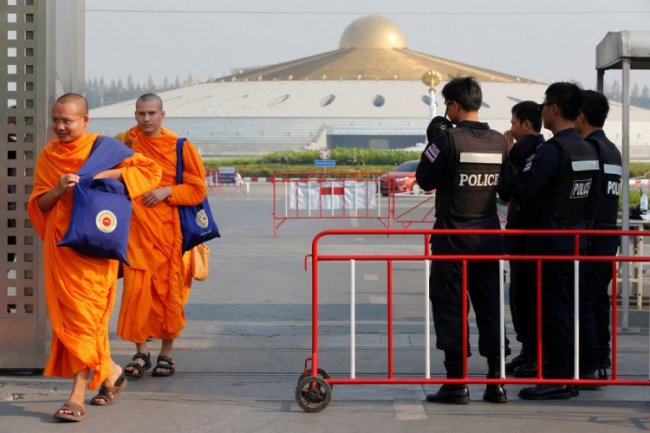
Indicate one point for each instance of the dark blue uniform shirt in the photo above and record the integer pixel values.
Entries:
(430, 174)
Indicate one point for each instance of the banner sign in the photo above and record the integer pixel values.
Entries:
(333, 194)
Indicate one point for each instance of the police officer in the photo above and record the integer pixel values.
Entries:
(596, 276)
(524, 137)
(556, 186)
(463, 164)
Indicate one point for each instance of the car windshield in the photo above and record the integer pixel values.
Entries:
(407, 166)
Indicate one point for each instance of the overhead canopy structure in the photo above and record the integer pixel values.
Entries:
(624, 50)
(619, 46)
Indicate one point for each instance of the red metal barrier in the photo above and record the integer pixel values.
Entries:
(313, 392)
(300, 196)
(412, 209)
(408, 209)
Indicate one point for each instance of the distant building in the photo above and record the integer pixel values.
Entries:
(366, 93)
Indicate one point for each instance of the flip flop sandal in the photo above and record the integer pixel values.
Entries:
(138, 369)
(108, 394)
(164, 363)
(77, 412)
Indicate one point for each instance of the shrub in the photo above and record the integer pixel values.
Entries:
(347, 160)
(351, 160)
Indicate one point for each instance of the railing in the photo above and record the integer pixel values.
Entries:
(416, 207)
(313, 392)
(302, 196)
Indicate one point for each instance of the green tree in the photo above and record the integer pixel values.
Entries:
(151, 85)
(645, 97)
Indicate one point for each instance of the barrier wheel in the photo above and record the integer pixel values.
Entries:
(322, 373)
(313, 394)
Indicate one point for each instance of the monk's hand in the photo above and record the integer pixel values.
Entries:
(66, 181)
(47, 201)
(155, 196)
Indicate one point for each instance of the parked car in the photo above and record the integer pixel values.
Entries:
(400, 179)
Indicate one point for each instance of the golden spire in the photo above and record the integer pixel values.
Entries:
(431, 78)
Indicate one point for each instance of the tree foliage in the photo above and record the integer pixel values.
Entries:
(639, 97)
(99, 93)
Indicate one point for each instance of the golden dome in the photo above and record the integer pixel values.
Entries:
(371, 48)
(373, 32)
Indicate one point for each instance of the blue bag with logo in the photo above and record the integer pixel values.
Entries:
(197, 223)
(101, 208)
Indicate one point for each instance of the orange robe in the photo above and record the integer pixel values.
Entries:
(157, 283)
(80, 290)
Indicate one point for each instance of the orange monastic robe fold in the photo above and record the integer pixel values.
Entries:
(157, 282)
(80, 290)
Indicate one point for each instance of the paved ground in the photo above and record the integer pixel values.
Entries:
(249, 333)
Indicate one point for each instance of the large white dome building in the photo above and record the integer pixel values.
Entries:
(366, 93)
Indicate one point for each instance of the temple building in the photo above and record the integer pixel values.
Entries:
(367, 93)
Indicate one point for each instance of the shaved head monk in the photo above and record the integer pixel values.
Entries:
(157, 281)
(79, 289)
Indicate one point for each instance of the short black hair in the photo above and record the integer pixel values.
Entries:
(149, 97)
(568, 97)
(596, 108)
(528, 110)
(74, 98)
(464, 90)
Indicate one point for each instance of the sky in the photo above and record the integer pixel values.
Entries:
(549, 40)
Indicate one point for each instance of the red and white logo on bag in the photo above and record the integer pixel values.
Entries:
(106, 221)
(202, 219)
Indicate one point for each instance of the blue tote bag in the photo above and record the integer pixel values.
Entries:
(197, 223)
(101, 208)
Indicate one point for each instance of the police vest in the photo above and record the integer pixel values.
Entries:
(569, 190)
(469, 188)
(609, 182)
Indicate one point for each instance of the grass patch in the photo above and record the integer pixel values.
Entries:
(350, 161)
(347, 160)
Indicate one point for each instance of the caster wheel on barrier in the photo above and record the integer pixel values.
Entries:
(322, 373)
(313, 394)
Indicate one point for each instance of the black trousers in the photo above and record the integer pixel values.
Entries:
(445, 284)
(523, 296)
(595, 306)
(557, 318)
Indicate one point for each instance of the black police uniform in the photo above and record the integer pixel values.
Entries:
(595, 277)
(463, 165)
(556, 186)
(522, 274)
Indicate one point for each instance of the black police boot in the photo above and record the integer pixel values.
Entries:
(589, 376)
(451, 394)
(494, 393)
(548, 392)
(519, 360)
(602, 374)
(529, 369)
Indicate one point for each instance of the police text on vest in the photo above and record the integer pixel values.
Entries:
(613, 187)
(478, 179)
(580, 188)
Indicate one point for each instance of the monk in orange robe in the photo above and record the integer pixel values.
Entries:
(80, 290)
(157, 281)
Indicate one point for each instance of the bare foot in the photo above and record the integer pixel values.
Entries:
(116, 372)
(133, 371)
(164, 367)
(70, 411)
(140, 362)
